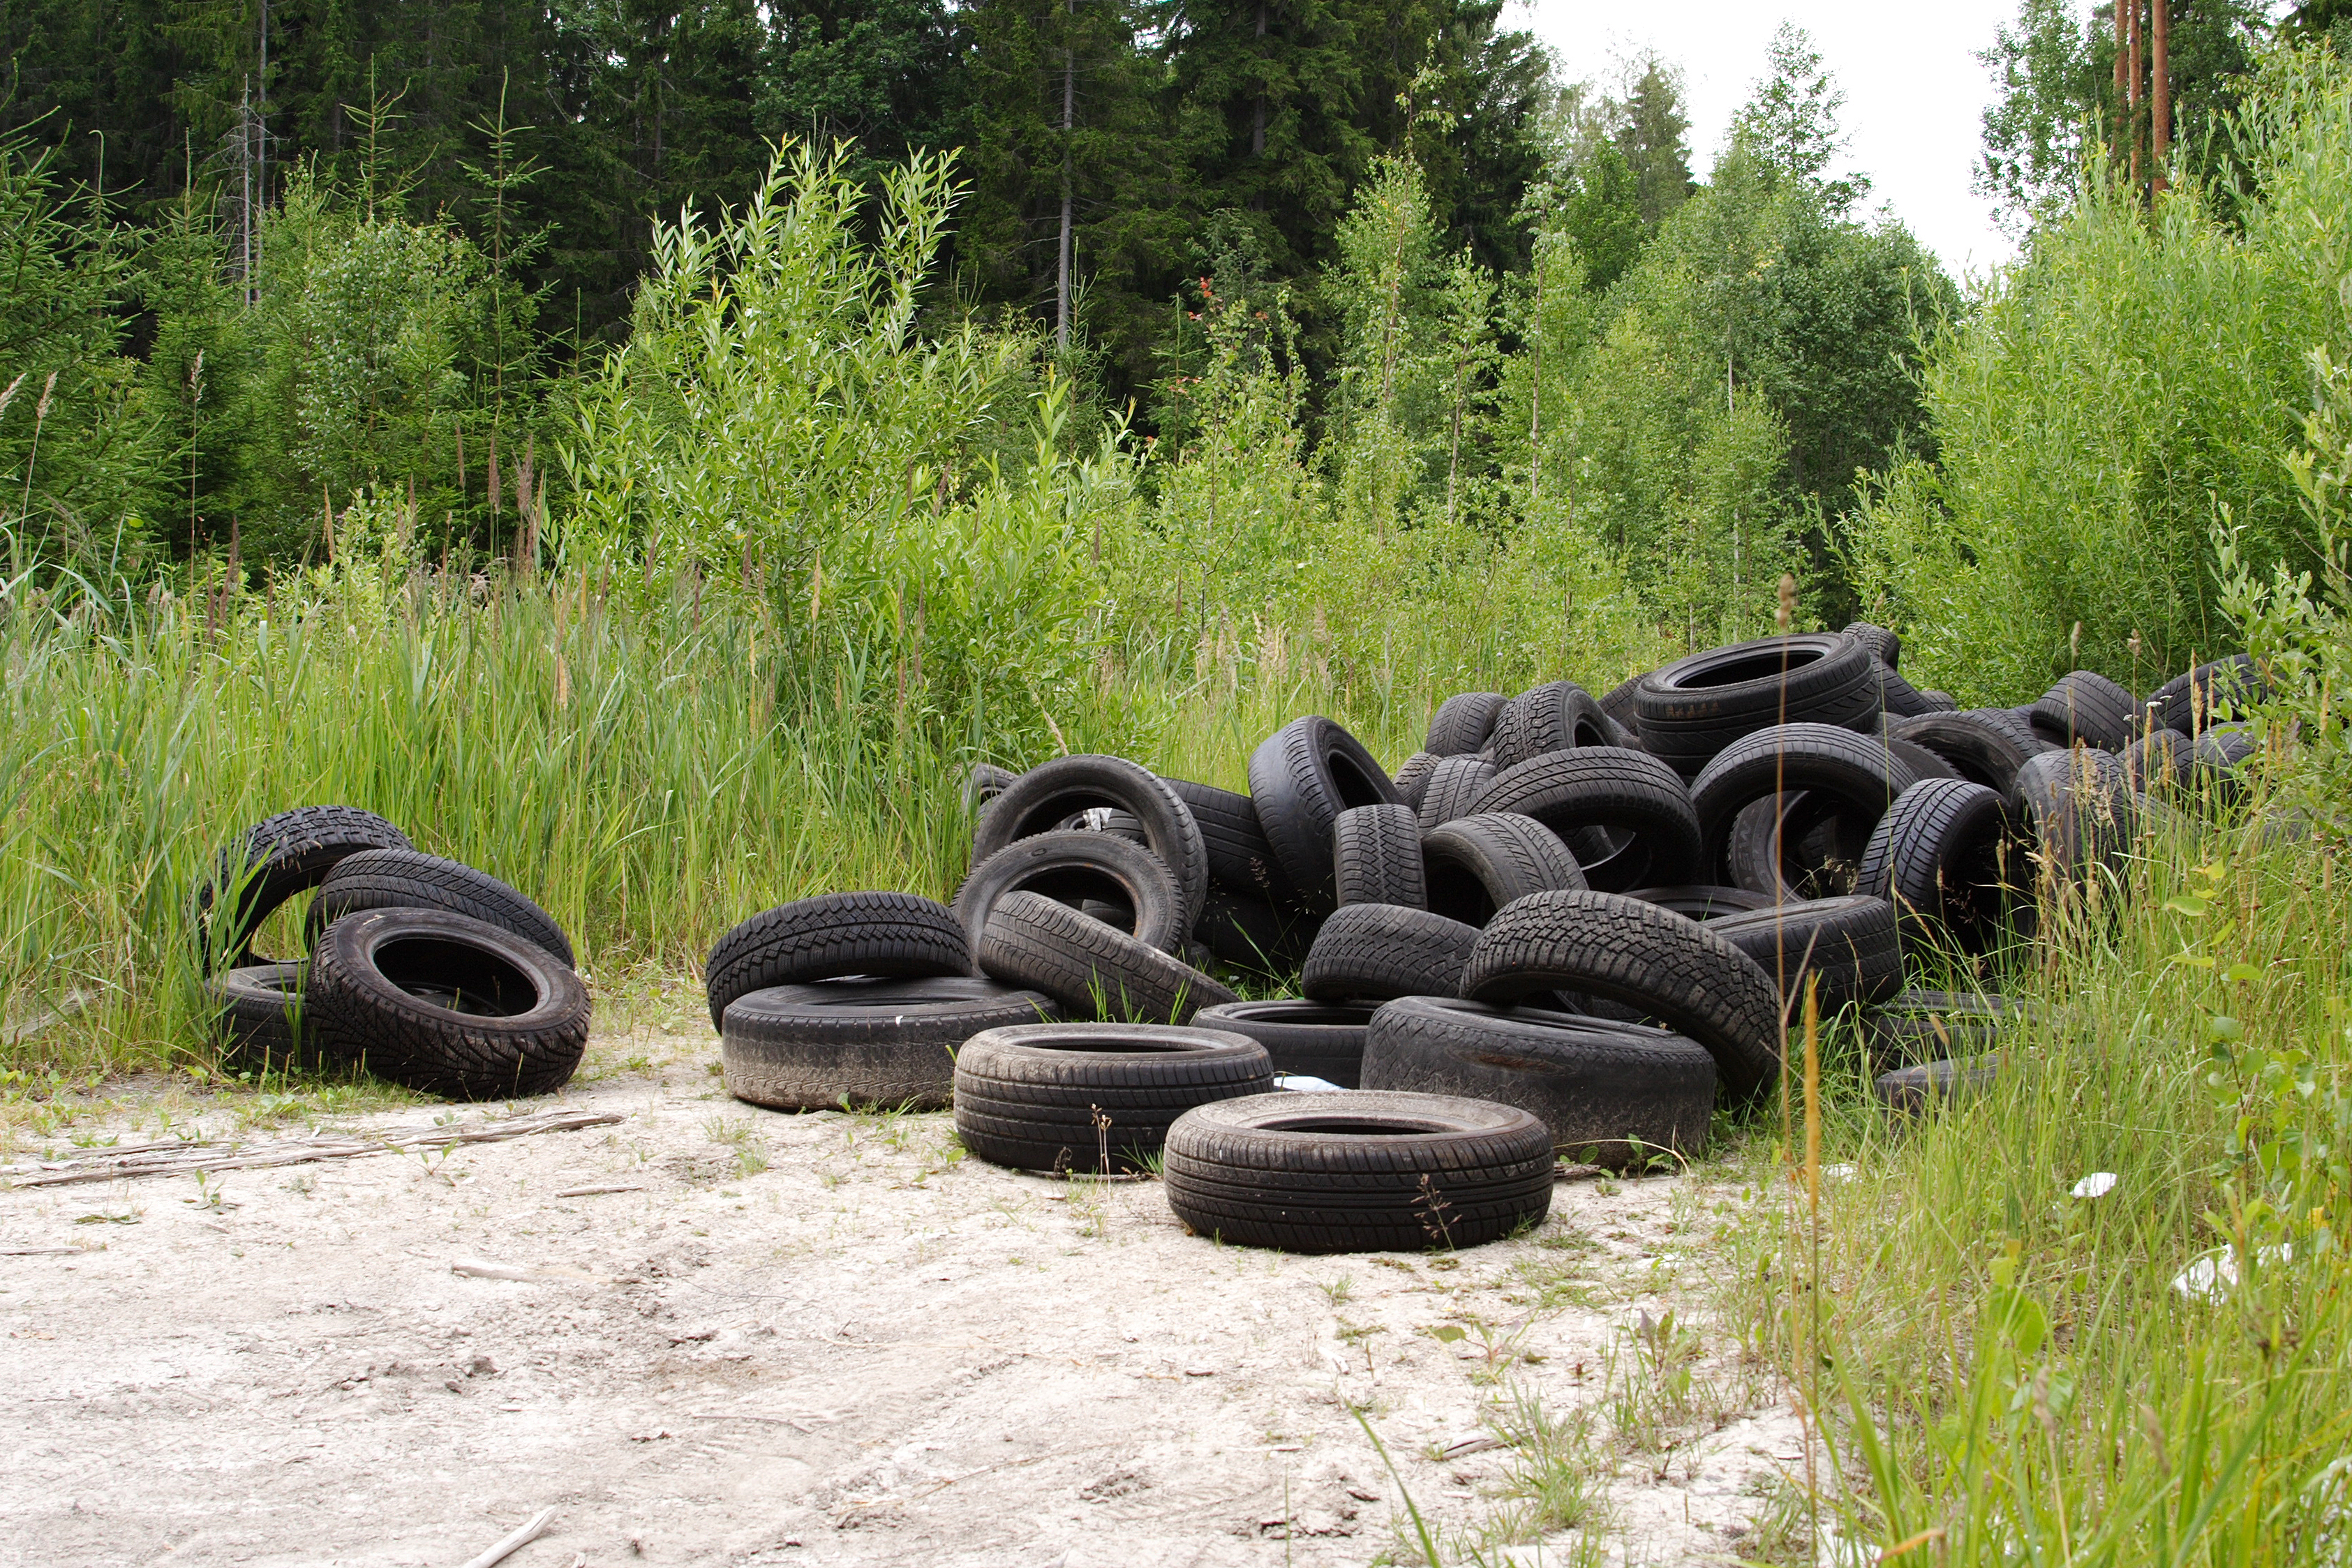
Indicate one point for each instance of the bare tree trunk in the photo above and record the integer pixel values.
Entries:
(1535, 395)
(1061, 251)
(2123, 78)
(2160, 84)
(2131, 99)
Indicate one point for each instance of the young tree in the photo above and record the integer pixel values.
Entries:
(1653, 137)
(1791, 122)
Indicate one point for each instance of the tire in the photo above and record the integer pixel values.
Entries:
(280, 857)
(1301, 777)
(1375, 951)
(1617, 702)
(1885, 646)
(1694, 708)
(1081, 869)
(2157, 760)
(445, 1005)
(1251, 935)
(2078, 803)
(1849, 943)
(1980, 747)
(1898, 698)
(1558, 716)
(2188, 703)
(2089, 708)
(2217, 758)
(1922, 762)
(1939, 701)
(1240, 860)
(258, 1017)
(1376, 857)
(1029, 1096)
(1461, 724)
(1816, 854)
(1091, 970)
(1609, 1093)
(1916, 1090)
(1856, 772)
(1641, 800)
(984, 784)
(404, 878)
(1412, 779)
(1309, 1040)
(1475, 865)
(888, 1043)
(1753, 860)
(1454, 785)
(1915, 1026)
(1358, 1172)
(1946, 857)
(1047, 795)
(1703, 903)
(889, 935)
(1622, 950)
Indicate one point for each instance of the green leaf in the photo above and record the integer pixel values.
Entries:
(2188, 903)
(1446, 1333)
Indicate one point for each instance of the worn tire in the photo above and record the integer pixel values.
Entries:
(1558, 716)
(984, 784)
(404, 878)
(1240, 860)
(1916, 1090)
(860, 1044)
(896, 936)
(2086, 707)
(278, 858)
(1251, 935)
(1622, 950)
(2188, 702)
(1694, 708)
(1463, 723)
(1475, 865)
(1355, 1171)
(1301, 777)
(1655, 833)
(1028, 1096)
(1849, 943)
(1916, 1026)
(1701, 902)
(1609, 1094)
(1379, 950)
(1983, 745)
(1885, 645)
(1412, 779)
(1454, 785)
(1376, 857)
(1856, 771)
(1946, 857)
(1079, 869)
(1898, 698)
(2157, 760)
(445, 1005)
(1310, 1039)
(2078, 803)
(1092, 969)
(1046, 796)
(258, 1017)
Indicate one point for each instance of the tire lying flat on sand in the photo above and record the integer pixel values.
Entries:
(885, 934)
(1094, 1097)
(888, 1043)
(1354, 1171)
(1311, 1039)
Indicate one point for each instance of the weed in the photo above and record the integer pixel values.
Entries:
(1336, 1290)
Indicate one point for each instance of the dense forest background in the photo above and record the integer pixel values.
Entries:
(1327, 313)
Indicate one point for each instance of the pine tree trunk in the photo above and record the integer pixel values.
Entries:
(2122, 78)
(1061, 251)
(2160, 84)
(2131, 96)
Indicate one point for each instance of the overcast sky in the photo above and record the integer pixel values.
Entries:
(1914, 88)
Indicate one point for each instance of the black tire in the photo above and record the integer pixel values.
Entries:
(1310, 1039)
(1609, 1094)
(445, 1005)
(1816, 854)
(1703, 903)
(404, 878)
(1849, 943)
(2155, 761)
(1375, 951)
(1854, 771)
(1461, 724)
(1376, 857)
(1916, 1026)
(1412, 779)
(860, 1044)
(1081, 869)
(984, 784)
(1454, 785)
(2217, 760)
(1475, 865)
(1922, 762)
(1094, 1097)
(1558, 716)
(1914, 1090)
(2210, 693)
(1044, 797)
(1253, 936)
(1353, 1171)
(1642, 802)
(1939, 701)
(892, 935)
(2078, 803)
(1301, 777)
(1694, 708)
(1885, 646)
(1240, 860)
(1947, 857)
(280, 857)
(1617, 702)
(2086, 707)
(1899, 699)
(1622, 950)
(1986, 745)
(258, 1017)
(1092, 969)
(1754, 860)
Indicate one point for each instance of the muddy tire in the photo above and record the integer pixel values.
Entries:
(280, 857)
(1353, 1171)
(889, 936)
(1311, 1039)
(1475, 865)
(1301, 777)
(1376, 857)
(1653, 833)
(1091, 970)
(1094, 1097)
(861, 1043)
(404, 878)
(1375, 951)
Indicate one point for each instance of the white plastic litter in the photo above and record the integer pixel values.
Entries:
(2098, 1184)
(2209, 1278)
(1837, 1172)
(1300, 1081)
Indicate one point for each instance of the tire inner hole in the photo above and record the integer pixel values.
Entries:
(456, 977)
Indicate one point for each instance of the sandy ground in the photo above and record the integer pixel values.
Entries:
(830, 1339)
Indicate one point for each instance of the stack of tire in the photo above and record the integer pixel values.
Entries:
(417, 970)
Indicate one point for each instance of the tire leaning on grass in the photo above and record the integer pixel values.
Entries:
(1311, 1039)
(1357, 1171)
(1048, 795)
(1099, 1097)
(890, 1043)
(258, 1016)
(1091, 970)
(404, 878)
(1301, 777)
(1622, 950)
(280, 857)
(1377, 951)
(1080, 868)
(445, 1005)
(1612, 1094)
(890, 935)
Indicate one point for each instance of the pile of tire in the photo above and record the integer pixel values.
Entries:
(420, 970)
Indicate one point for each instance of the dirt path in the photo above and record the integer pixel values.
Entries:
(830, 1339)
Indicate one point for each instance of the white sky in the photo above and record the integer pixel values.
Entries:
(1914, 88)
